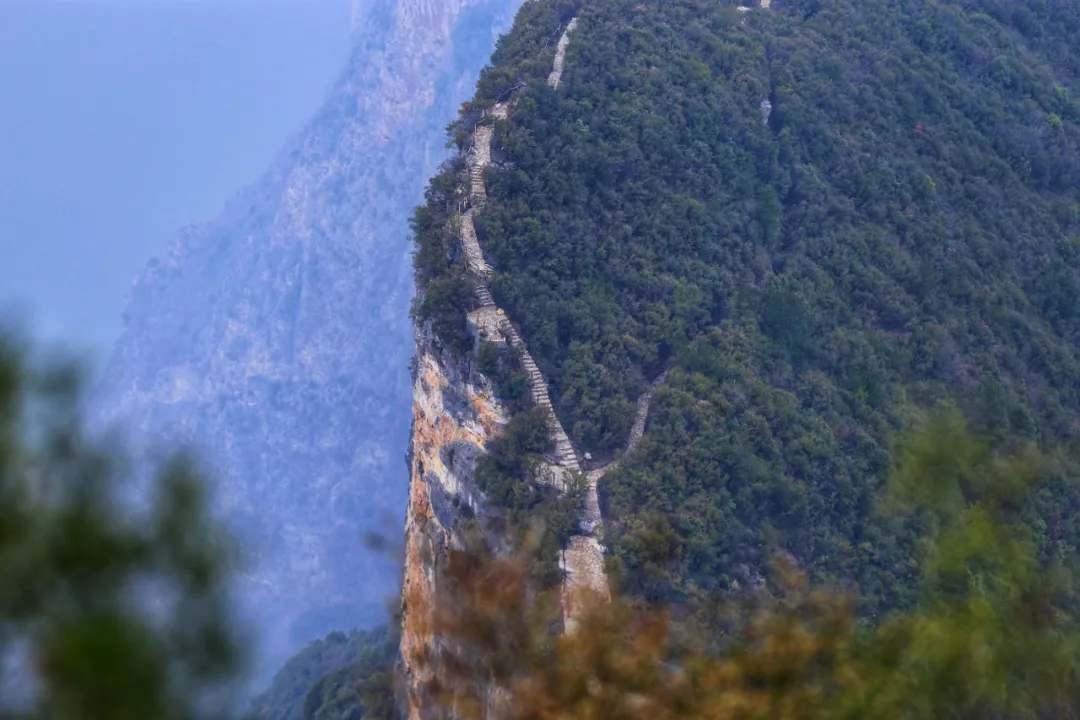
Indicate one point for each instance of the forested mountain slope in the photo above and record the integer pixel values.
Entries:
(340, 676)
(823, 218)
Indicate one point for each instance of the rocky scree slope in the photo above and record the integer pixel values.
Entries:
(275, 339)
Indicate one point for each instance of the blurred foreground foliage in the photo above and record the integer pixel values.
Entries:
(106, 612)
(992, 635)
(108, 608)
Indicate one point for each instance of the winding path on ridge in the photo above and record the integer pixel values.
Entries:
(583, 558)
(637, 430)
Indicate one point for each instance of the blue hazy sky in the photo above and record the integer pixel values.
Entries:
(123, 120)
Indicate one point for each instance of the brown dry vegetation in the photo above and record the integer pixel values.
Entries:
(992, 635)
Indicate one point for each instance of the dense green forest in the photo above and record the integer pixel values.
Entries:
(992, 635)
(900, 230)
(341, 677)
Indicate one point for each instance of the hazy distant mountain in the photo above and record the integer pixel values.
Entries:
(123, 120)
(277, 337)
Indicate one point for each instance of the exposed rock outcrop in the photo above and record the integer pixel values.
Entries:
(462, 428)
(455, 413)
(583, 560)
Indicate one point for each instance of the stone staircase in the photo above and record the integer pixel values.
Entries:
(476, 181)
(480, 157)
(555, 77)
(483, 295)
(470, 246)
(637, 430)
(582, 560)
(564, 454)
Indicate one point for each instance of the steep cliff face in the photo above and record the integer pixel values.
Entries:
(276, 338)
(456, 413)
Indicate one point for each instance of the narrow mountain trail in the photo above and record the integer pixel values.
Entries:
(560, 56)
(583, 558)
(480, 157)
(637, 430)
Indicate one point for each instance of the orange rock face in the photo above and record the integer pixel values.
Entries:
(455, 413)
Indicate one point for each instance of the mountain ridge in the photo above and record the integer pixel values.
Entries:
(823, 221)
